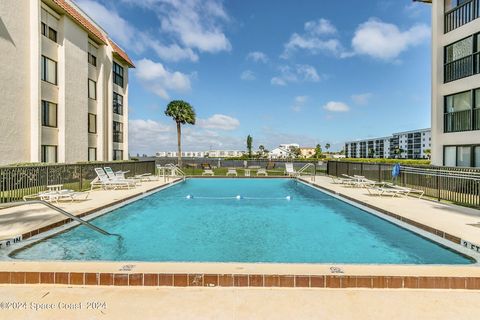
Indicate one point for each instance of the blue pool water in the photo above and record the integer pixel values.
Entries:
(263, 226)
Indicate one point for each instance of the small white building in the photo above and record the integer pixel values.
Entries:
(224, 153)
(279, 153)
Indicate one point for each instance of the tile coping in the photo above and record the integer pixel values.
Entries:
(128, 278)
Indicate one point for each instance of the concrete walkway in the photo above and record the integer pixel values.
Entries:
(20, 220)
(456, 220)
(229, 303)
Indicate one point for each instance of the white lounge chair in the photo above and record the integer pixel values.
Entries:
(64, 194)
(337, 180)
(407, 191)
(102, 180)
(119, 176)
(381, 191)
(289, 170)
(232, 172)
(208, 172)
(262, 171)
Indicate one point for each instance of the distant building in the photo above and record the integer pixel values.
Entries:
(307, 152)
(283, 151)
(224, 153)
(404, 145)
(201, 154)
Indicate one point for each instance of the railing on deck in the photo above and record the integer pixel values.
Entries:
(461, 15)
(458, 121)
(17, 182)
(459, 185)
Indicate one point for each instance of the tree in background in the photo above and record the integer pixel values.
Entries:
(249, 145)
(294, 152)
(428, 153)
(318, 151)
(262, 151)
(327, 146)
(182, 113)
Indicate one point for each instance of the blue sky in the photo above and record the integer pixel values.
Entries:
(302, 71)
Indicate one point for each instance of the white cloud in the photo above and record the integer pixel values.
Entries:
(320, 27)
(313, 40)
(257, 56)
(220, 122)
(362, 99)
(247, 75)
(386, 41)
(413, 9)
(298, 73)
(189, 25)
(335, 106)
(299, 103)
(156, 78)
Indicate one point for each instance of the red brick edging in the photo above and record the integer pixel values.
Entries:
(240, 280)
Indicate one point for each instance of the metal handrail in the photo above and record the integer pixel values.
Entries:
(65, 213)
(177, 169)
(305, 167)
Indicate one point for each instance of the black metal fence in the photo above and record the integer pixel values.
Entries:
(238, 163)
(459, 185)
(17, 182)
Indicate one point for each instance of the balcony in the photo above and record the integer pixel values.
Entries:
(118, 137)
(458, 121)
(461, 15)
(462, 68)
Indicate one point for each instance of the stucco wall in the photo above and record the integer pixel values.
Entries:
(15, 81)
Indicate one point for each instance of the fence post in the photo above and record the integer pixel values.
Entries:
(438, 187)
(379, 172)
(361, 168)
(81, 177)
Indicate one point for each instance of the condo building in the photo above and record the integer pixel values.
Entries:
(455, 82)
(415, 144)
(64, 85)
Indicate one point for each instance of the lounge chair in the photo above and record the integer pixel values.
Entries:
(208, 172)
(289, 170)
(118, 176)
(380, 191)
(407, 191)
(64, 194)
(337, 180)
(232, 171)
(102, 180)
(262, 171)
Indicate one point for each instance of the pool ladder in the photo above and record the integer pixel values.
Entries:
(59, 210)
(176, 171)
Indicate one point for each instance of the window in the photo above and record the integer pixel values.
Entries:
(459, 50)
(458, 112)
(92, 54)
(49, 25)
(92, 123)
(117, 131)
(49, 70)
(49, 154)
(117, 154)
(117, 74)
(464, 158)
(49, 114)
(92, 89)
(450, 157)
(92, 154)
(117, 103)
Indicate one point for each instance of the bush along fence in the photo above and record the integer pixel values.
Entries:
(458, 185)
(17, 182)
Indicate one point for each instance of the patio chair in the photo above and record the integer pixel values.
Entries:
(270, 165)
(208, 172)
(408, 191)
(206, 166)
(119, 176)
(262, 171)
(289, 170)
(232, 172)
(337, 180)
(55, 196)
(102, 180)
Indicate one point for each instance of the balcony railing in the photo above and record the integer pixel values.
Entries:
(461, 15)
(460, 68)
(118, 137)
(476, 119)
(458, 121)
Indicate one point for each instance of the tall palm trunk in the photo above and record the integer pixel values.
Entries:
(179, 141)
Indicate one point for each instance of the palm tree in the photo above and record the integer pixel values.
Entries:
(249, 146)
(182, 113)
(327, 146)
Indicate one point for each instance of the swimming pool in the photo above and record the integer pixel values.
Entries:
(243, 220)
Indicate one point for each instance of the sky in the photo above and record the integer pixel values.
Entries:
(283, 71)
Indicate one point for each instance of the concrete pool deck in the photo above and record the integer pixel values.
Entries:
(237, 303)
